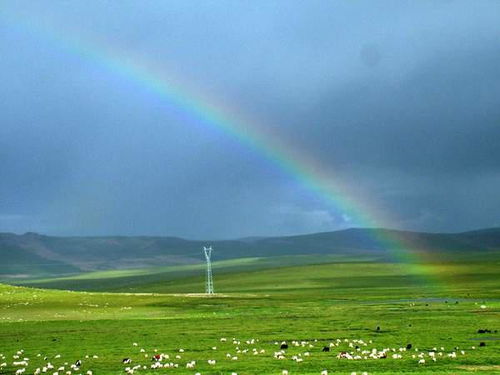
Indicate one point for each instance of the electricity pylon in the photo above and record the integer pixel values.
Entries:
(209, 286)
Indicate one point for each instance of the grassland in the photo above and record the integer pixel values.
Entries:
(155, 279)
(317, 303)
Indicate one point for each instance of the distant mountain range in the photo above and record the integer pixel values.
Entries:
(33, 254)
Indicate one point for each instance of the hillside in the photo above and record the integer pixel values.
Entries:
(33, 254)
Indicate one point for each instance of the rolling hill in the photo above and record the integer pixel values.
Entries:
(33, 254)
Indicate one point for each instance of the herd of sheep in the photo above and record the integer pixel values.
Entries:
(233, 350)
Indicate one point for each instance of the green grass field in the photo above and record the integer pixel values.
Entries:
(314, 304)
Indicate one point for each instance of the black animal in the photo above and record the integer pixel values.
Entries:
(284, 346)
(78, 363)
(483, 331)
(408, 347)
(325, 349)
(126, 360)
(482, 343)
(378, 328)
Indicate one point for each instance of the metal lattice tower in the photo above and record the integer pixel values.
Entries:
(209, 286)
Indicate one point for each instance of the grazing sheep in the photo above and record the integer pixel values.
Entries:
(156, 365)
(20, 363)
(482, 343)
(325, 349)
(284, 345)
(126, 361)
(344, 355)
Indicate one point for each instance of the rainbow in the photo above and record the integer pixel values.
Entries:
(205, 110)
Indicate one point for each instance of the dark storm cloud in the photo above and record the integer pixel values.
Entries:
(442, 118)
(398, 100)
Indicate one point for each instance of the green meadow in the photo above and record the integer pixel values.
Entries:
(349, 306)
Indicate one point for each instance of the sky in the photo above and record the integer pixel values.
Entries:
(395, 101)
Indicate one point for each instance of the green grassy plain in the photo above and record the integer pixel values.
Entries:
(315, 303)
